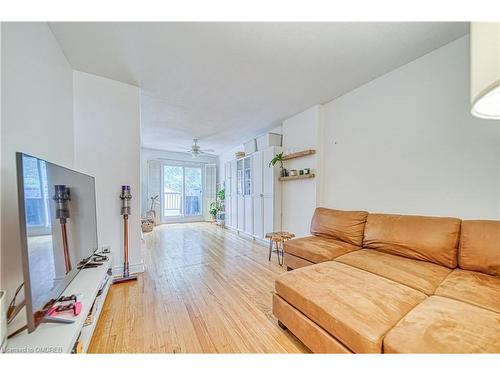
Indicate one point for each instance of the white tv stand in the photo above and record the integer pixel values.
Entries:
(61, 338)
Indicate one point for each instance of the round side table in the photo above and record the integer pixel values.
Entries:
(276, 241)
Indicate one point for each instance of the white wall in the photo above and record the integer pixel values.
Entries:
(148, 154)
(406, 143)
(107, 146)
(37, 118)
(301, 132)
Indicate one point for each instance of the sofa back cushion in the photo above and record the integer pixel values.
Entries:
(347, 226)
(432, 239)
(480, 246)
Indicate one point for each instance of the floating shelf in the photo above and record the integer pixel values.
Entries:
(299, 154)
(299, 177)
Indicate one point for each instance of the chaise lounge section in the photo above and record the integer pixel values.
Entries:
(392, 284)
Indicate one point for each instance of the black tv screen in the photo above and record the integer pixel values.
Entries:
(57, 213)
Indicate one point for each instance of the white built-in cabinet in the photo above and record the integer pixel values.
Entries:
(227, 188)
(234, 196)
(248, 195)
(253, 194)
(271, 192)
(240, 198)
(257, 202)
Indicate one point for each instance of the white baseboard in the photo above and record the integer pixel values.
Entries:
(247, 236)
(133, 268)
(261, 241)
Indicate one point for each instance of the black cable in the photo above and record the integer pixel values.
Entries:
(11, 310)
(17, 331)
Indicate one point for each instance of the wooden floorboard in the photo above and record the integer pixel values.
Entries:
(205, 290)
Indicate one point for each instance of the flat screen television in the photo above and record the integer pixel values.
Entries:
(58, 225)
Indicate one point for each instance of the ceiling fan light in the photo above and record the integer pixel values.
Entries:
(485, 69)
(488, 105)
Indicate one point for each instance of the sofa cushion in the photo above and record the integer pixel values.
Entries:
(443, 325)
(317, 249)
(433, 239)
(480, 246)
(346, 226)
(472, 287)
(293, 262)
(422, 276)
(312, 335)
(354, 306)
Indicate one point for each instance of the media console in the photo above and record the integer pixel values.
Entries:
(93, 285)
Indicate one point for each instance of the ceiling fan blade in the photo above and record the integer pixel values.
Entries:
(207, 150)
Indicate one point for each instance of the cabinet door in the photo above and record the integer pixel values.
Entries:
(268, 215)
(228, 217)
(234, 202)
(234, 211)
(248, 214)
(227, 189)
(257, 174)
(239, 177)
(247, 178)
(268, 173)
(258, 217)
(241, 212)
(227, 171)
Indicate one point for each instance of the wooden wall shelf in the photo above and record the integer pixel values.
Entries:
(299, 177)
(299, 154)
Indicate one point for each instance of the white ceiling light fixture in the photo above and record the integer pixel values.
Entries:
(485, 69)
(195, 150)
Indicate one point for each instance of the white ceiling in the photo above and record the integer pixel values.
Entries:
(226, 82)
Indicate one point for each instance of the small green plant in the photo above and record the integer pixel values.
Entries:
(213, 210)
(218, 205)
(221, 194)
(278, 158)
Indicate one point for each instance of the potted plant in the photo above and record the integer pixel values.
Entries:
(217, 206)
(221, 195)
(213, 210)
(278, 158)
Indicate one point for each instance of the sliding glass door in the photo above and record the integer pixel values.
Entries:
(173, 191)
(192, 189)
(181, 192)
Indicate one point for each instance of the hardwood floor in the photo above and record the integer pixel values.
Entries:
(205, 290)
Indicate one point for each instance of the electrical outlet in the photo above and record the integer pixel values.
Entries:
(106, 249)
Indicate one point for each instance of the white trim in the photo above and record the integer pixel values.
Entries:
(184, 219)
(246, 236)
(133, 269)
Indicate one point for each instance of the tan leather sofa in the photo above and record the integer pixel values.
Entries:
(380, 283)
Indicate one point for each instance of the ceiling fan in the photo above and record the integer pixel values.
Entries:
(195, 150)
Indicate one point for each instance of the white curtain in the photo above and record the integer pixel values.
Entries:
(154, 184)
(210, 188)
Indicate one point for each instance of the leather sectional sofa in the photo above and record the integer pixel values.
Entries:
(381, 283)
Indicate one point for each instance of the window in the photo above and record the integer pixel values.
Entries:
(36, 194)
